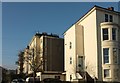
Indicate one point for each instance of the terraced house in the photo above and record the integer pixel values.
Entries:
(92, 46)
(48, 53)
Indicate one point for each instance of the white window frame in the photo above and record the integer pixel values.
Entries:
(108, 18)
(108, 55)
(105, 34)
(109, 73)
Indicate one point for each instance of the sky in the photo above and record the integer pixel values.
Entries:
(60, 0)
(21, 20)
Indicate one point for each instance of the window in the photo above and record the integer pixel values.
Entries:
(113, 33)
(106, 17)
(70, 77)
(70, 60)
(70, 45)
(106, 55)
(106, 73)
(105, 34)
(80, 62)
(116, 73)
(111, 18)
(115, 55)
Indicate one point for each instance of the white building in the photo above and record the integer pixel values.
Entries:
(92, 44)
(48, 52)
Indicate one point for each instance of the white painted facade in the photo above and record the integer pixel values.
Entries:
(71, 53)
(90, 45)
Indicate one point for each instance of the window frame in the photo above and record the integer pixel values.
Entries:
(110, 18)
(107, 76)
(70, 45)
(106, 18)
(114, 34)
(105, 34)
(70, 77)
(70, 60)
(115, 50)
(106, 56)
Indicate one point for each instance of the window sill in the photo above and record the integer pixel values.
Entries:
(110, 41)
(107, 78)
(105, 40)
(106, 63)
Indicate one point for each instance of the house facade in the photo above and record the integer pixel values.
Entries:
(92, 46)
(49, 49)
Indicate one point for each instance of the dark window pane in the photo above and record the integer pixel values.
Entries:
(105, 34)
(70, 45)
(113, 33)
(105, 31)
(106, 17)
(70, 60)
(106, 55)
(106, 73)
(111, 18)
(115, 55)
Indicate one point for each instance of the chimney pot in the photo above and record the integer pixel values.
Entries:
(111, 8)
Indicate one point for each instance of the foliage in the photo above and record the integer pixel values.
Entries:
(5, 76)
(34, 60)
(20, 61)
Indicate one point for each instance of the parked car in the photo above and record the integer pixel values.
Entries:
(18, 81)
(30, 80)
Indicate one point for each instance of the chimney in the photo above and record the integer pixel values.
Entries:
(111, 8)
(27, 47)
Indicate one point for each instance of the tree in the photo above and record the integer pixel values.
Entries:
(20, 61)
(34, 60)
(5, 77)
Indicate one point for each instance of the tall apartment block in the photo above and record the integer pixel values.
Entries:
(92, 46)
(51, 50)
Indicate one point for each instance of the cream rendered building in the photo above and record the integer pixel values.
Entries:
(92, 45)
(48, 49)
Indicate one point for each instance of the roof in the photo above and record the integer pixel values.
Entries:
(44, 34)
(91, 10)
